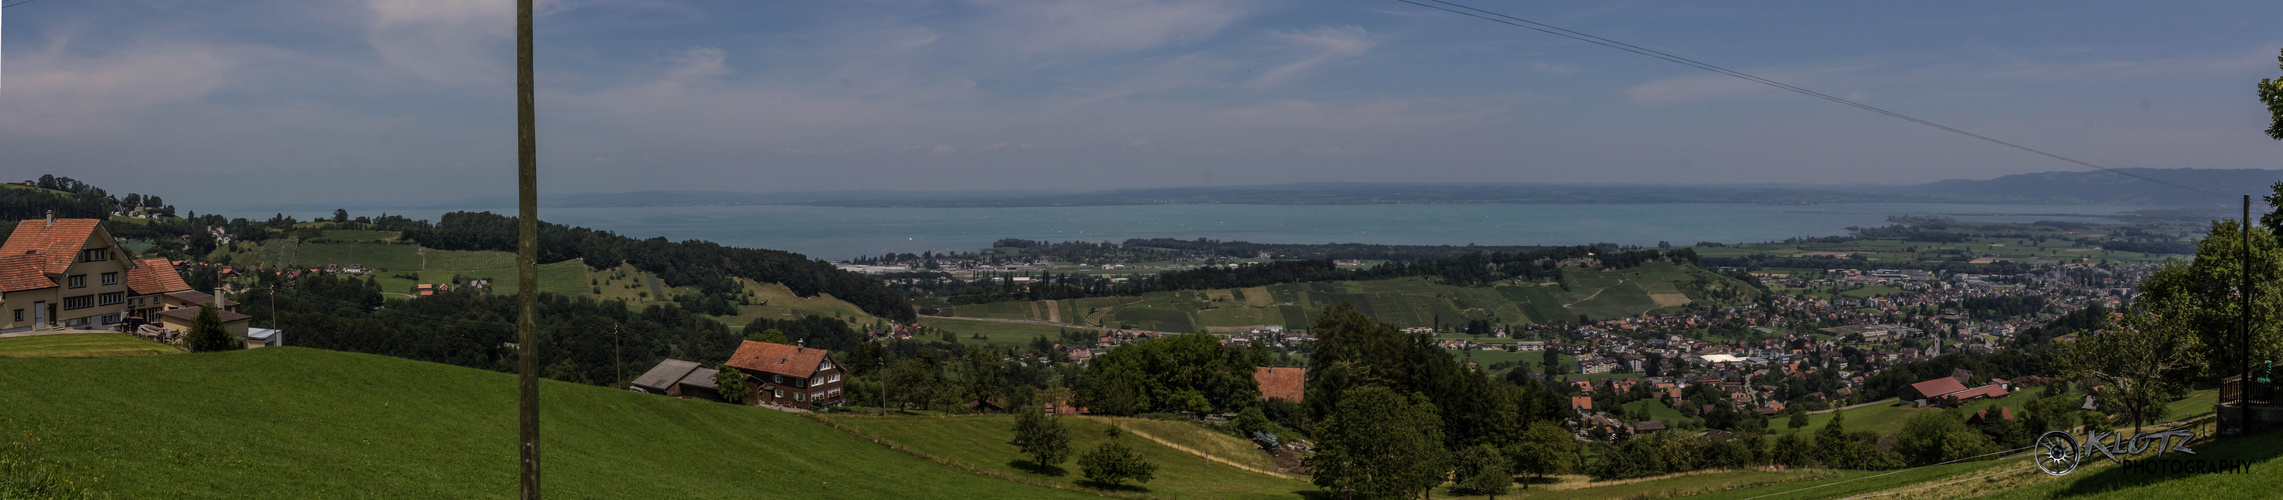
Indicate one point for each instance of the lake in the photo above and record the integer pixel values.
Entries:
(835, 233)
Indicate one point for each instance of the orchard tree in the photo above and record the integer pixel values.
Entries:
(1482, 470)
(2140, 361)
(1545, 450)
(1042, 438)
(1111, 464)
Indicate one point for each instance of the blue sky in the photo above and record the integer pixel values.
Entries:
(311, 101)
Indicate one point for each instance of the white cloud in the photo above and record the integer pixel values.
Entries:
(56, 92)
(1330, 44)
(700, 62)
(457, 42)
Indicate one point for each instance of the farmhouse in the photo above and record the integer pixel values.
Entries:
(1932, 389)
(785, 375)
(62, 273)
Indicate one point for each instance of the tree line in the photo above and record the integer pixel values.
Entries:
(1469, 269)
(710, 267)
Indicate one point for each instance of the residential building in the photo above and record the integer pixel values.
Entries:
(62, 273)
(786, 375)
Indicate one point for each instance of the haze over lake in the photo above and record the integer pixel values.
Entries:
(839, 233)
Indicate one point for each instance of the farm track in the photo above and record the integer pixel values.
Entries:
(1207, 456)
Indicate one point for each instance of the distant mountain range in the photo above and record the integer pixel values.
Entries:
(2045, 188)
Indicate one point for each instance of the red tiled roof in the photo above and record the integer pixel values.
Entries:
(781, 359)
(154, 276)
(57, 242)
(1288, 384)
(1992, 391)
(23, 272)
(1581, 402)
(1938, 387)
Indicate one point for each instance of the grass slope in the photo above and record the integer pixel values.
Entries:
(982, 443)
(81, 345)
(298, 423)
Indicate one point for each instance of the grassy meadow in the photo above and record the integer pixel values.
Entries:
(981, 443)
(298, 423)
(81, 345)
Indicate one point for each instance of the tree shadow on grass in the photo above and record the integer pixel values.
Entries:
(2235, 452)
(1036, 468)
(1118, 487)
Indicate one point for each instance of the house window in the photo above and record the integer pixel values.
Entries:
(94, 255)
(777, 394)
(111, 298)
(110, 278)
(826, 366)
(816, 395)
(832, 378)
(19, 315)
(777, 378)
(77, 281)
(80, 302)
(111, 318)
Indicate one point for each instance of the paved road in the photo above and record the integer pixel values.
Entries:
(1887, 401)
(1021, 321)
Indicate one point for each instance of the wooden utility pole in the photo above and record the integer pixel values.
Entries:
(527, 248)
(2243, 318)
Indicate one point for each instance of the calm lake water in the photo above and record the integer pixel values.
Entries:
(840, 233)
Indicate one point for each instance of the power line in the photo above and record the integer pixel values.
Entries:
(1495, 17)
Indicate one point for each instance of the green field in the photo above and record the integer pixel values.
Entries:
(981, 442)
(1405, 302)
(298, 423)
(81, 345)
(994, 333)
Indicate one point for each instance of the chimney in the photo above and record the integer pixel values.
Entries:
(51, 218)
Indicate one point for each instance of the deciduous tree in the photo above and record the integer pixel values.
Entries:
(1042, 438)
(1380, 444)
(1112, 464)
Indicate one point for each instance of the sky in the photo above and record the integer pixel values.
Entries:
(306, 101)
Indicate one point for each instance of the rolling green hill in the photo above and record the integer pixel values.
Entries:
(299, 423)
(1407, 302)
(377, 250)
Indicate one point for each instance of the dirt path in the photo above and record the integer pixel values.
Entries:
(1596, 293)
(1207, 456)
(1053, 311)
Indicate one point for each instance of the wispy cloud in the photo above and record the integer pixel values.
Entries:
(1329, 44)
(1105, 25)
